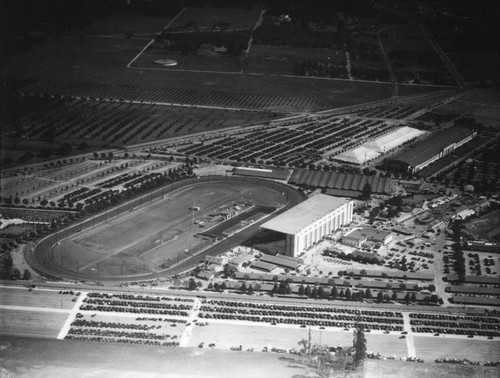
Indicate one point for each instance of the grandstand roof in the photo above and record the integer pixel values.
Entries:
(424, 150)
(305, 213)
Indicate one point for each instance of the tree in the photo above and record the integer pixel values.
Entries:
(192, 284)
(8, 263)
(367, 191)
(407, 298)
(314, 292)
(368, 293)
(334, 293)
(250, 289)
(348, 294)
(275, 288)
(301, 289)
(243, 287)
(307, 291)
(380, 296)
(26, 275)
(16, 274)
(229, 270)
(306, 343)
(359, 345)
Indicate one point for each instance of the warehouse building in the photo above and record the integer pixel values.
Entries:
(427, 151)
(358, 237)
(310, 221)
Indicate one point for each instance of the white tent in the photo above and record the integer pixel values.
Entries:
(376, 147)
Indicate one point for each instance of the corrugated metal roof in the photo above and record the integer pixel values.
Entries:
(423, 150)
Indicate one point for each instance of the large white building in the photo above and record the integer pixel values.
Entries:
(310, 221)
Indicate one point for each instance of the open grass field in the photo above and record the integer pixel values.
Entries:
(39, 358)
(474, 68)
(35, 298)
(482, 105)
(226, 334)
(73, 61)
(280, 60)
(122, 24)
(31, 323)
(399, 369)
(205, 18)
(190, 62)
(163, 233)
(430, 348)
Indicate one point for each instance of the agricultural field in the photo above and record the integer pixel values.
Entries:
(77, 121)
(482, 105)
(476, 68)
(121, 24)
(412, 57)
(205, 19)
(121, 247)
(189, 62)
(282, 60)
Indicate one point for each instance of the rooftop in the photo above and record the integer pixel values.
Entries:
(367, 233)
(423, 150)
(280, 261)
(304, 214)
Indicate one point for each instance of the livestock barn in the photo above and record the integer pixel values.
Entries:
(310, 221)
(427, 151)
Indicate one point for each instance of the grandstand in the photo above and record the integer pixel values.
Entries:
(374, 148)
(309, 222)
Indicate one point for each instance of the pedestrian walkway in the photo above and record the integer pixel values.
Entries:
(409, 337)
(188, 330)
(71, 316)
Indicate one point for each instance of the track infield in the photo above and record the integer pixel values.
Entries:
(159, 235)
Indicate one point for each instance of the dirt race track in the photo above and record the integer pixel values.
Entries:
(155, 235)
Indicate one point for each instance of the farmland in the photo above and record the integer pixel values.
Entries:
(207, 18)
(123, 123)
